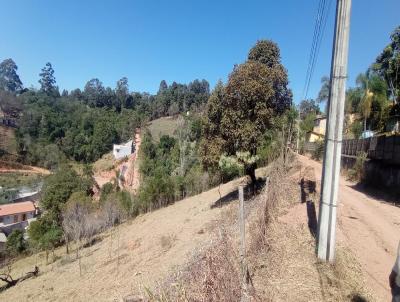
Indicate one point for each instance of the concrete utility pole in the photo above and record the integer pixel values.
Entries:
(333, 138)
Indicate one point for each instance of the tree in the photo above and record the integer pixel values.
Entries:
(94, 93)
(16, 243)
(266, 52)
(255, 93)
(9, 79)
(387, 65)
(57, 189)
(45, 235)
(122, 92)
(163, 86)
(323, 93)
(371, 96)
(47, 79)
(307, 107)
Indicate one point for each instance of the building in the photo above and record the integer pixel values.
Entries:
(16, 214)
(318, 132)
(121, 151)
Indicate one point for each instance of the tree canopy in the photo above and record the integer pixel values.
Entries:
(240, 112)
(9, 79)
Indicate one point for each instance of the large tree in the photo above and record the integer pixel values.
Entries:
(94, 93)
(47, 79)
(387, 65)
(9, 79)
(371, 98)
(240, 114)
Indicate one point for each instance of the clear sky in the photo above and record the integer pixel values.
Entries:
(176, 40)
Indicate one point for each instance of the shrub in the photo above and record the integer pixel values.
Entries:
(16, 243)
(357, 172)
(318, 152)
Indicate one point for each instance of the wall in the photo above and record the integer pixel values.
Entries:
(377, 173)
(9, 219)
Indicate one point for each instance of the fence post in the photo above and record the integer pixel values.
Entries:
(243, 262)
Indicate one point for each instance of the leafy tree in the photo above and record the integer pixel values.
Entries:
(45, 235)
(122, 93)
(255, 93)
(266, 52)
(94, 93)
(163, 87)
(308, 106)
(47, 79)
(323, 94)
(57, 189)
(16, 243)
(9, 79)
(387, 65)
(371, 97)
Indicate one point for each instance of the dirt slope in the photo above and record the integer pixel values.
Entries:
(150, 247)
(370, 228)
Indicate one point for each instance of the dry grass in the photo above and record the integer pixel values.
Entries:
(162, 126)
(105, 163)
(281, 255)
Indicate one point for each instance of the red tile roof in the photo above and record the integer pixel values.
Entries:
(16, 208)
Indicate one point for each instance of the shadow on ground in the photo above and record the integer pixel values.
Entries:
(387, 197)
(234, 195)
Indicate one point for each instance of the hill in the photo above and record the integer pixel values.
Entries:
(191, 247)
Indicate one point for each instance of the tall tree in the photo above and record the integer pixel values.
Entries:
(371, 97)
(9, 79)
(163, 86)
(323, 93)
(47, 79)
(122, 93)
(256, 92)
(387, 65)
(94, 93)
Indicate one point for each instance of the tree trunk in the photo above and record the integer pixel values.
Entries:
(251, 172)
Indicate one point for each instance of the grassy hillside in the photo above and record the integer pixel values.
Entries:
(163, 126)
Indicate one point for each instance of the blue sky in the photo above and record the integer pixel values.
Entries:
(177, 40)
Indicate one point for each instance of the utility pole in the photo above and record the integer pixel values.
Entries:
(333, 137)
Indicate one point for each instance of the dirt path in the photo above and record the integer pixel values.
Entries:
(370, 228)
(26, 169)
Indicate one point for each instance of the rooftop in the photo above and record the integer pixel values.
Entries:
(15, 208)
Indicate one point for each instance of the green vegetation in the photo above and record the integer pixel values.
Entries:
(239, 113)
(16, 243)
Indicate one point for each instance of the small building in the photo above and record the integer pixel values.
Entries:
(121, 151)
(16, 213)
(318, 132)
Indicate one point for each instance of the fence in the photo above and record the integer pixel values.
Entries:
(384, 148)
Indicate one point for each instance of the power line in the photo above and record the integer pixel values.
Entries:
(319, 29)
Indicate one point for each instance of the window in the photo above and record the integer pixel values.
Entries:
(1, 219)
(24, 217)
(15, 218)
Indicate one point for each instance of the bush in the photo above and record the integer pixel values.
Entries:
(318, 152)
(16, 243)
(357, 172)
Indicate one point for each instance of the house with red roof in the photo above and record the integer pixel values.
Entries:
(14, 213)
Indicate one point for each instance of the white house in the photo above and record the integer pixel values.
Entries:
(121, 151)
(18, 212)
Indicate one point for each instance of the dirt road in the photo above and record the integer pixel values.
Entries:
(370, 228)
